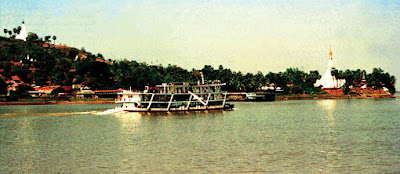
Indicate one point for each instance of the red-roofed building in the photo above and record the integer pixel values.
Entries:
(82, 55)
(16, 63)
(43, 91)
(58, 46)
(13, 83)
(16, 78)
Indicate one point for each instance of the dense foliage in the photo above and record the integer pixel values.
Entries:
(377, 79)
(3, 86)
(61, 65)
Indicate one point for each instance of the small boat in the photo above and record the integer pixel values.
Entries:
(260, 96)
(169, 97)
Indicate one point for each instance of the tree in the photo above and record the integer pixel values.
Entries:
(310, 80)
(3, 86)
(100, 56)
(335, 75)
(260, 79)
(57, 91)
(47, 39)
(93, 73)
(5, 32)
(54, 39)
(22, 91)
(378, 78)
(32, 37)
(155, 76)
(22, 72)
(208, 72)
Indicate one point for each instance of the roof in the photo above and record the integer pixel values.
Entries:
(67, 88)
(46, 88)
(15, 63)
(16, 78)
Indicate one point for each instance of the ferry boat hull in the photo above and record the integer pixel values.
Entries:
(227, 107)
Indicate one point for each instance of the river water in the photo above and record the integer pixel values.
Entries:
(311, 136)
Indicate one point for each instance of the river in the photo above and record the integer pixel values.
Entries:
(310, 136)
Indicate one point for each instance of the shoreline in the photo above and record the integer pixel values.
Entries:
(324, 97)
(112, 101)
(56, 102)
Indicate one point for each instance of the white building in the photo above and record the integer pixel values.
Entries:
(22, 34)
(327, 80)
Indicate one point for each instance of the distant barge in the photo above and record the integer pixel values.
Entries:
(251, 96)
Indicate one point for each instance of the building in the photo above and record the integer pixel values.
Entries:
(42, 91)
(85, 92)
(107, 93)
(327, 80)
(22, 34)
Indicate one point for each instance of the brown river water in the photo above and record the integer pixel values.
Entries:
(311, 136)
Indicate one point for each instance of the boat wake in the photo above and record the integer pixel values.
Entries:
(109, 111)
(106, 112)
(15, 115)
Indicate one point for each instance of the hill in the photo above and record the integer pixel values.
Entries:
(37, 62)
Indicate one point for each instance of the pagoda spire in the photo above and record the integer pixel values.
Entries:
(330, 61)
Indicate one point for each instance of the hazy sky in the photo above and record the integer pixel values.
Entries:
(243, 35)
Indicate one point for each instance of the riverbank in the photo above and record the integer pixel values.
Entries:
(327, 96)
(57, 102)
(41, 101)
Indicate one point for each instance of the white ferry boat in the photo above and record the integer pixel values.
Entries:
(169, 97)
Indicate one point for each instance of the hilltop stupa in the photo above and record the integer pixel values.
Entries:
(327, 80)
(22, 34)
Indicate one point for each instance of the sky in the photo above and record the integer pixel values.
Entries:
(243, 35)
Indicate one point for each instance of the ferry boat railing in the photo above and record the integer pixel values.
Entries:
(208, 98)
(197, 98)
(151, 100)
(223, 103)
(190, 99)
(170, 101)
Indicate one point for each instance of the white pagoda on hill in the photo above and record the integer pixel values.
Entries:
(22, 34)
(327, 80)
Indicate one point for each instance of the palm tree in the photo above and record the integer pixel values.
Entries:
(19, 29)
(335, 74)
(5, 32)
(54, 39)
(47, 39)
(9, 33)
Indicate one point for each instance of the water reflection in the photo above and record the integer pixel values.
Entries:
(329, 133)
(128, 120)
(328, 105)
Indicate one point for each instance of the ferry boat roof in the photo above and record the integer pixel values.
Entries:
(217, 83)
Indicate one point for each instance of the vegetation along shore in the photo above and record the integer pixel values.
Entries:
(39, 68)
